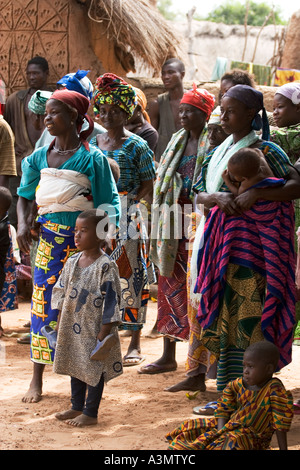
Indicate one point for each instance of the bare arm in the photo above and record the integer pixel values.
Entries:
(225, 201)
(145, 189)
(25, 214)
(154, 114)
(230, 185)
(288, 192)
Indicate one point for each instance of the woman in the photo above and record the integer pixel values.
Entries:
(140, 124)
(179, 167)
(65, 178)
(116, 101)
(286, 113)
(240, 319)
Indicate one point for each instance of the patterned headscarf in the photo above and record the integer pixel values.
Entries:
(253, 99)
(78, 82)
(200, 98)
(111, 89)
(37, 103)
(290, 91)
(215, 117)
(81, 104)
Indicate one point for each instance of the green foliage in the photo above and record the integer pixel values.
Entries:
(234, 13)
(165, 7)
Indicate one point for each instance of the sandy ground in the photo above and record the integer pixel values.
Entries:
(135, 414)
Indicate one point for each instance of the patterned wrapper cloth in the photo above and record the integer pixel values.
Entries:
(56, 245)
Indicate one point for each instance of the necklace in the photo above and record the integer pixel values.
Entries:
(64, 152)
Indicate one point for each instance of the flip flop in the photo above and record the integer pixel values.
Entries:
(208, 409)
(155, 369)
(133, 360)
(25, 339)
(50, 334)
(296, 408)
(103, 348)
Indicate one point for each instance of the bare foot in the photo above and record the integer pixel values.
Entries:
(82, 420)
(191, 384)
(68, 414)
(33, 395)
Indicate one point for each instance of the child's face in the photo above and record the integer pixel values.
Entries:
(234, 174)
(255, 370)
(285, 113)
(85, 234)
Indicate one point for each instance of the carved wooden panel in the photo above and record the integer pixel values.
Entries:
(29, 28)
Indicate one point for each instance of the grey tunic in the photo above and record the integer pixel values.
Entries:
(87, 298)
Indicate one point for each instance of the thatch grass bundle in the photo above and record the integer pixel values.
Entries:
(137, 27)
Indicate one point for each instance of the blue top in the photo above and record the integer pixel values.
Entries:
(91, 163)
(135, 160)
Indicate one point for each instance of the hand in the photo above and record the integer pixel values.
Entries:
(246, 200)
(24, 238)
(227, 203)
(225, 173)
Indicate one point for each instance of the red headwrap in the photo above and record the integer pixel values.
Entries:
(200, 98)
(81, 104)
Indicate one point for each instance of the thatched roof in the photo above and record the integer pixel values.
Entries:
(138, 28)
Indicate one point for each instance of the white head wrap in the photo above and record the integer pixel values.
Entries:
(290, 91)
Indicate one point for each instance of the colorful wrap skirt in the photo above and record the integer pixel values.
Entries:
(56, 245)
(132, 258)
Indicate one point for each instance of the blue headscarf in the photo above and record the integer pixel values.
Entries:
(253, 99)
(78, 82)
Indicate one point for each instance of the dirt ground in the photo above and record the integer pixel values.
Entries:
(135, 414)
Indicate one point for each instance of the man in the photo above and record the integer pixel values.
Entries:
(20, 119)
(163, 111)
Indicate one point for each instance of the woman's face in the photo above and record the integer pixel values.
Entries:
(224, 86)
(285, 113)
(58, 117)
(191, 118)
(112, 116)
(216, 134)
(235, 116)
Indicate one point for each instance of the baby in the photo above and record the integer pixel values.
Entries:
(246, 168)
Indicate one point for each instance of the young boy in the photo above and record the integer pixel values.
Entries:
(87, 295)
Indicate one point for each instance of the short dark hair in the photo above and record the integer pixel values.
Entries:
(96, 215)
(178, 62)
(239, 77)
(266, 351)
(5, 199)
(41, 61)
(247, 160)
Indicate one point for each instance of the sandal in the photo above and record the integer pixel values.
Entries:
(207, 410)
(50, 334)
(296, 408)
(103, 347)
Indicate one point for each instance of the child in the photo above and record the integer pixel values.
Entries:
(5, 203)
(248, 413)
(246, 168)
(87, 295)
